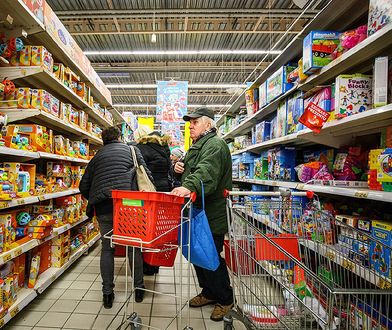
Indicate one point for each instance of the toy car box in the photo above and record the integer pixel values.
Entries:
(317, 49)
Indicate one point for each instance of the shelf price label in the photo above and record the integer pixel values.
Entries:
(14, 311)
(18, 252)
(7, 257)
(300, 186)
(1, 323)
(383, 284)
(4, 205)
(20, 201)
(361, 194)
(330, 255)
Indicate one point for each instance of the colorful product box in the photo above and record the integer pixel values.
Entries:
(281, 163)
(281, 119)
(83, 119)
(22, 58)
(277, 83)
(74, 116)
(249, 100)
(21, 177)
(317, 49)
(41, 57)
(380, 254)
(262, 95)
(260, 166)
(353, 94)
(325, 156)
(20, 98)
(58, 70)
(380, 82)
(274, 128)
(41, 100)
(380, 14)
(262, 132)
(384, 169)
(295, 108)
(65, 111)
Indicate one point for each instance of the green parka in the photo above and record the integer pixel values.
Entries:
(209, 160)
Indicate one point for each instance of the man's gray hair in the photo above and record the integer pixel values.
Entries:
(208, 120)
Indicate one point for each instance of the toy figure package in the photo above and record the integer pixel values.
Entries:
(353, 94)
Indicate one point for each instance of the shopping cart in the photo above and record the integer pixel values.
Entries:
(295, 266)
(152, 222)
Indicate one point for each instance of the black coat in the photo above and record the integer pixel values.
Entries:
(111, 169)
(156, 154)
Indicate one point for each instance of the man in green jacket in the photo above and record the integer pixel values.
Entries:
(209, 161)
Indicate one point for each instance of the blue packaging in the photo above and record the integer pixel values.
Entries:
(263, 95)
(262, 132)
(380, 255)
(281, 124)
(281, 163)
(273, 128)
(295, 109)
(277, 83)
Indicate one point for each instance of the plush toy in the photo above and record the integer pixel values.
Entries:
(351, 38)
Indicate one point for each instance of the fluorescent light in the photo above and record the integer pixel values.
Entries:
(133, 105)
(150, 86)
(184, 52)
(154, 38)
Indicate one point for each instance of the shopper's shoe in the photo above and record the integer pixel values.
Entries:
(200, 301)
(108, 300)
(220, 311)
(139, 294)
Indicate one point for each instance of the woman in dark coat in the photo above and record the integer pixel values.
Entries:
(156, 153)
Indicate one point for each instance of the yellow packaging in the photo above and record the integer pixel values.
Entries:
(65, 111)
(20, 98)
(83, 118)
(41, 100)
(58, 70)
(41, 57)
(25, 56)
(35, 262)
(59, 145)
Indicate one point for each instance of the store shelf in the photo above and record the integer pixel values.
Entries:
(40, 78)
(59, 157)
(337, 15)
(36, 199)
(46, 119)
(364, 51)
(60, 44)
(11, 254)
(25, 296)
(49, 276)
(334, 133)
(382, 196)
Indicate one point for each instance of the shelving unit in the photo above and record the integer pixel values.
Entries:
(46, 31)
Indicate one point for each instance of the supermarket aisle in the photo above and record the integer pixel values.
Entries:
(74, 301)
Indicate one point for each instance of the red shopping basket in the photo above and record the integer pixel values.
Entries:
(246, 261)
(265, 250)
(145, 216)
(166, 257)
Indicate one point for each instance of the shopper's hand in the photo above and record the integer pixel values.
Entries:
(181, 191)
(179, 167)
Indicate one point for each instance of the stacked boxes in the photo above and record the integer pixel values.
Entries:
(60, 249)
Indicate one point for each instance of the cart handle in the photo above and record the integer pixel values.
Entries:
(281, 192)
(193, 196)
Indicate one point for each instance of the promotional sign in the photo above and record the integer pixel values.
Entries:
(172, 100)
(146, 121)
(174, 131)
(314, 117)
(130, 119)
(37, 7)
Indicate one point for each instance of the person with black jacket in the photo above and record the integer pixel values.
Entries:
(156, 153)
(111, 168)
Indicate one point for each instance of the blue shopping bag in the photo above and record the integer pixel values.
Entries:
(202, 247)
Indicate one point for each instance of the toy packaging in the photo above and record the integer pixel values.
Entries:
(380, 82)
(273, 128)
(295, 108)
(353, 94)
(277, 83)
(380, 256)
(58, 70)
(249, 100)
(282, 119)
(281, 163)
(325, 156)
(21, 178)
(83, 119)
(41, 57)
(40, 99)
(384, 169)
(262, 132)
(261, 168)
(19, 98)
(262, 95)
(65, 111)
(317, 49)
(380, 14)
(34, 269)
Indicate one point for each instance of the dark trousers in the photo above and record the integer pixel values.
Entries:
(216, 284)
(107, 258)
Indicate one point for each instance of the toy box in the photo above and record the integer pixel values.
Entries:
(13, 138)
(281, 163)
(247, 165)
(249, 100)
(65, 111)
(353, 94)
(260, 166)
(262, 95)
(55, 106)
(262, 132)
(74, 116)
(380, 255)
(21, 177)
(22, 58)
(7, 187)
(384, 169)
(295, 108)
(281, 124)
(321, 96)
(20, 98)
(380, 81)
(380, 14)
(317, 49)
(83, 119)
(277, 83)
(8, 225)
(41, 57)
(325, 156)
(59, 145)
(59, 71)
(41, 100)
(273, 128)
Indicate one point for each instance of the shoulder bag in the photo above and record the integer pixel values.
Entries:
(143, 181)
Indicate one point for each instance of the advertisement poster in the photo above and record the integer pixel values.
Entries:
(174, 131)
(130, 119)
(172, 100)
(146, 121)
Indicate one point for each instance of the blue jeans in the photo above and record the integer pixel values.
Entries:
(107, 258)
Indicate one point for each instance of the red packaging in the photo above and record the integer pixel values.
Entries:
(314, 117)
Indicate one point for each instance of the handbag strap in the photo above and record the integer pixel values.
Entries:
(202, 193)
(134, 157)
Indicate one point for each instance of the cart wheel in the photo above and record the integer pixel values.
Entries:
(188, 328)
(135, 321)
(228, 322)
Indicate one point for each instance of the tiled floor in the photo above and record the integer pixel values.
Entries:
(74, 301)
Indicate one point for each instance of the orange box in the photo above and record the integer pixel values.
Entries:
(20, 98)
(41, 100)
(65, 111)
(58, 70)
(20, 268)
(46, 256)
(41, 57)
(74, 116)
(83, 119)
(22, 177)
(59, 145)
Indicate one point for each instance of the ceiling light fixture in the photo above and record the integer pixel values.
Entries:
(132, 105)
(192, 86)
(182, 52)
